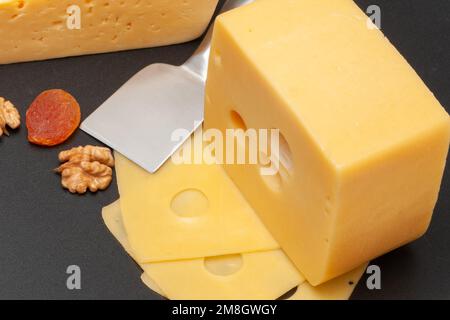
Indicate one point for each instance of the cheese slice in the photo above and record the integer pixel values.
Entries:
(340, 288)
(112, 218)
(186, 212)
(250, 276)
(43, 29)
(363, 141)
(260, 275)
(151, 284)
(170, 273)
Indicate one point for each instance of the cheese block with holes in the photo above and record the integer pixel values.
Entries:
(259, 275)
(186, 211)
(43, 29)
(363, 140)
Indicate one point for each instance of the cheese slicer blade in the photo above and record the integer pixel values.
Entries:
(161, 99)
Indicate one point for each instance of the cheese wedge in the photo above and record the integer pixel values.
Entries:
(186, 212)
(260, 275)
(44, 29)
(363, 142)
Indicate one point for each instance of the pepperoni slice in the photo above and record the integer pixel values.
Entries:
(52, 118)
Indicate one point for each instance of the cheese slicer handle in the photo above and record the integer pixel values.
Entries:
(198, 63)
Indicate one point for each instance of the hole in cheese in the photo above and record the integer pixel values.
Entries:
(273, 182)
(189, 203)
(224, 265)
(285, 154)
(237, 121)
(279, 162)
(217, 59)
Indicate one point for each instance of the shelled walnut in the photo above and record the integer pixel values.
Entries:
(85, 168)
(9, 116)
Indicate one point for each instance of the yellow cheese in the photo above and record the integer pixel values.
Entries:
(112, 217)
(340, 288)
(186, 212)
(260, 275)
(43, 29)
(336, 289)
(151, 284)
(113, 220)
(363, 141)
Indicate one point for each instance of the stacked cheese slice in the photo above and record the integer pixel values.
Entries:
(196, 237)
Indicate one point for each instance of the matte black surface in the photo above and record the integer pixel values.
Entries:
(43, 228)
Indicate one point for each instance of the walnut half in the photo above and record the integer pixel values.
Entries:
(85, 168)
(9, 116)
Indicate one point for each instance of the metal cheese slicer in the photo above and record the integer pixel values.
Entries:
(163, 98)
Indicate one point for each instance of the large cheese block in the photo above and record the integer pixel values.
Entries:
(363, 142)
(43, 29)
(196, 206)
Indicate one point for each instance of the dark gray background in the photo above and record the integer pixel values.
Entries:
(43, 228)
